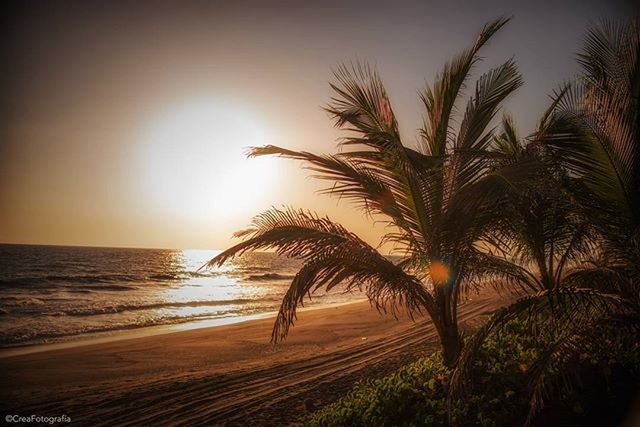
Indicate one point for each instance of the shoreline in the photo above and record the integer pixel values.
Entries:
(147, 331)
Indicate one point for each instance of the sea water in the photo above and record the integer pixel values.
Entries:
(55, 293)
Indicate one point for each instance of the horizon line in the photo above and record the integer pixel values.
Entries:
(69, 245)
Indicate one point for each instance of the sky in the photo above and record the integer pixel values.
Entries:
(126, 124)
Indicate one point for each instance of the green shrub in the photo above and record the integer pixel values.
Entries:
(409, 396)
(415, 394)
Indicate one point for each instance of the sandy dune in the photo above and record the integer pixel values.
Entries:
(228, 375)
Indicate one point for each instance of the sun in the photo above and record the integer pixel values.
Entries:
(195, 163)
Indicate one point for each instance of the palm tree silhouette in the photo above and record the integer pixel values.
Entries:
(437, 199)
(541, 238)
(590, 137)
(602, 148)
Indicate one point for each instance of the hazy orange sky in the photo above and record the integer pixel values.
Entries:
(125, 125)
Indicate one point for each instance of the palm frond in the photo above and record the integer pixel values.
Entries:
(360, 177)
(351, 179)
(554, 308)
(386, 284)
(471, 148)
(599, 143)
(475, 206)
(508, 143)
(439, 100)
(501, 273)
(361, 105)
(292, 233)
(332, 256)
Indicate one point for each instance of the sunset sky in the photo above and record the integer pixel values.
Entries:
(126, 126)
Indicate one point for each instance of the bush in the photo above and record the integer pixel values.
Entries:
(415, 395)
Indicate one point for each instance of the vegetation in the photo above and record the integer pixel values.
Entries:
(553, 217)
(416, 394)
(437, 200)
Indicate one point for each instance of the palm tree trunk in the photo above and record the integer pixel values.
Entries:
(451, 343)
(446, 321)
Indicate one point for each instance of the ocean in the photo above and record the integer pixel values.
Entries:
(56, 293)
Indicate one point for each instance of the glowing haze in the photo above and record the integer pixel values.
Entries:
(127, 126)
(193, 164)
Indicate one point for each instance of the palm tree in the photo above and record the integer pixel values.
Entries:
(436, 199)
(540, 239)
(590, 138)
(536, 247)
(602, 149)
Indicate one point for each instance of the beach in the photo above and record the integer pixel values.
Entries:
(226, 375)
(342, 214)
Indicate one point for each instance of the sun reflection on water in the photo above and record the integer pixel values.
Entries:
(210, 291)
(107, 290)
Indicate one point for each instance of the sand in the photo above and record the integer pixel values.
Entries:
(226, 375)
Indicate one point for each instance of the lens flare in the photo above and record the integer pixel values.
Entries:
(439, 272)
